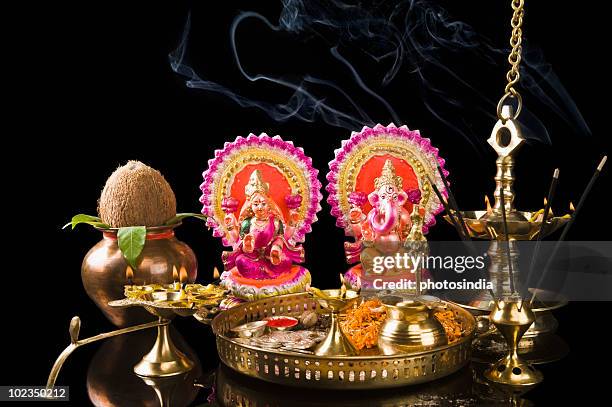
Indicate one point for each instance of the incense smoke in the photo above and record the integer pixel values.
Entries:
(411, 44)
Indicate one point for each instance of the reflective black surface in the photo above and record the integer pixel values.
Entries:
(102, 376)
(95, 89)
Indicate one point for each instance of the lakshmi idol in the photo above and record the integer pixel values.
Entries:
(261, 195)
(260, 235)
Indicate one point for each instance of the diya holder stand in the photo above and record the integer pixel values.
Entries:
(336, 342)
(503, 223)
(165, 302)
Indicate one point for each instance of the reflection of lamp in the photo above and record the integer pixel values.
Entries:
(111, 381)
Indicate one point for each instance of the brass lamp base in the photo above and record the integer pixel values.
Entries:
(164, 359)
(512, 319)
(336, 343)
(513, 371)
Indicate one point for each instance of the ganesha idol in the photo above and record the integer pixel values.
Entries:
(261, 196)
(380, 195)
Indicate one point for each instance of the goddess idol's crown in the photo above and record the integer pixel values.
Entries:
(256, 184)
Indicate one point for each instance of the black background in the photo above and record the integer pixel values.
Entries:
(97, 90)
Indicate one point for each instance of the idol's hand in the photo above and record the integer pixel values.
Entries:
(275, 255)
(229, 221)
(247, 243)
(355, 215)
(367, 234)
(294, 217)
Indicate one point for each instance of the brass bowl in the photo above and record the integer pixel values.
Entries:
(410, 327)
(250, 329)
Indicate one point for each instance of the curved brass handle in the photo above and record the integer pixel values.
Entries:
(74, 329)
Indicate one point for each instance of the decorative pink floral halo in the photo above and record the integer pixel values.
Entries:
(352, 163)
(293, 180)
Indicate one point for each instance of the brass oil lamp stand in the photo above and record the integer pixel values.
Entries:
(163, 360)
(488, 224)
(504, 225)
(165, 302)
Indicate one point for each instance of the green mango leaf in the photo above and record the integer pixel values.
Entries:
(180, 216)
(131, 240)
(88, 219)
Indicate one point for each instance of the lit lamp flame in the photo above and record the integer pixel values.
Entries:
(183, 275)
(488, 204)
(183, 279)
(571, 211)
(550, 213)
(175, 278)
(343, 287)
(216, 274)
(129, 275)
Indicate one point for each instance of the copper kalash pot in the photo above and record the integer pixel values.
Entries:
(104, 270)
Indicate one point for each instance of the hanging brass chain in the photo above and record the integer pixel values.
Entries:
(514, 59)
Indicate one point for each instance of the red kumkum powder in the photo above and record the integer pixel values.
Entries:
(282, 322)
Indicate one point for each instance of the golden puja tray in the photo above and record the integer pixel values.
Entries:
(367, 371)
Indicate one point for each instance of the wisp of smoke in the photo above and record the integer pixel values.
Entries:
(404, 37)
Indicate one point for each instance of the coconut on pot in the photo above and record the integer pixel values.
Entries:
(135, 198)
(136, 195)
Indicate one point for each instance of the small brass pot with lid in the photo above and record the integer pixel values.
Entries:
(410, 327)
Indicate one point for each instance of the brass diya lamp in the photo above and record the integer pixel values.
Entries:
(164, 301)
(503, 224)
(336, 301)
(164, 359)
(506, 139)
(512, 319)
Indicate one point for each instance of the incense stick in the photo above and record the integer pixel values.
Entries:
(505, 226)
(447, 209)
(465, 238)
(453, 202)
(551, 194)
(583, 197)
